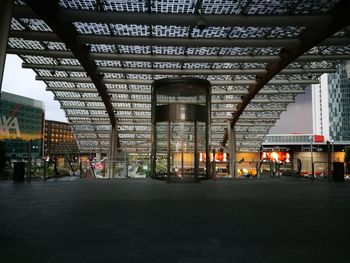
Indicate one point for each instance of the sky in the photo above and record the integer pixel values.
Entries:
(19, 81)
(297, 118)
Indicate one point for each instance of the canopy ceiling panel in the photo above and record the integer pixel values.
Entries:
(259, 55)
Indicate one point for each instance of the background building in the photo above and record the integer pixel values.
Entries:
(331, 105)
(21, 122)
(305, 147)
(60, 140)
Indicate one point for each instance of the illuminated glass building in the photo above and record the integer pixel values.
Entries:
(21, 122)
(331, 105)
(339, 104)
(60, 140)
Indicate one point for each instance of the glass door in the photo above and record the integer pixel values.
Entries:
(182, 149)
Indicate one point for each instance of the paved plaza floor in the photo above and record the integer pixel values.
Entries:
(128, 220)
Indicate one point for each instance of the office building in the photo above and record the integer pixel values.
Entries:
(331, 105)
(60, 140)
(21, 126)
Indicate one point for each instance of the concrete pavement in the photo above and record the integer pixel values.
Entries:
(140, 220)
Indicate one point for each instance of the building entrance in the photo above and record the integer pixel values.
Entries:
(180, 128)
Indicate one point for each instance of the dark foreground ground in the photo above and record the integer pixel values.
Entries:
(124, 220)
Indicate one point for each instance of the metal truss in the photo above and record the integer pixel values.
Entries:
(160, 71)
(178, 58)
(172, 41)
(149, 82)
(224, 92)
(100, 60)
(309, 38)
(108, 17)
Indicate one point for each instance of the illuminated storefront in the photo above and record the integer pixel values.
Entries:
(311, 151)
(280, 155)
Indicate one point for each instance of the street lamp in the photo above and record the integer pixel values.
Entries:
(312, 157)
(13, 154)
(332, 160)
(332, 141)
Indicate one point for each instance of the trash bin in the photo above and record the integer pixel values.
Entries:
(338, 172)
(18, 171)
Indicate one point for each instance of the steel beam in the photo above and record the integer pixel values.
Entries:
(146, 140)
(148, 117)
(258, 109)
(262, 92)
(142, 123)
(145, 92)
(309, 38)
(86, 99)
(147, 101)
(133, 142)
(177, 58)
(90, 123)
(149, 82)
(110, 91)
(235, 101)
(162, 41)
(155, 71)
(163, 71)
(133, 110)
(97, 116)
(111, 17)
(49, 11)
(161, 132)
(253, 118)
(175, 41)
(145, 151)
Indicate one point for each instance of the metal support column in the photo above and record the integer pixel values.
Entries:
(332, 161)
(213, 166)
(207, 151)
(5, 21)
(29, 172)
(111, 152)
(98, 156)
(126, 160)
(312, 157)
(232, 149)
(207, 134)
(329, 162)
(153, 133)
(110, 158)
(182, 150)
(196, 159)
(168, 152)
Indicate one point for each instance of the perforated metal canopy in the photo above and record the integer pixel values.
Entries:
(100, 57)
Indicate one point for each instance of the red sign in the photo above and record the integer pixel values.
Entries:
(318, 138)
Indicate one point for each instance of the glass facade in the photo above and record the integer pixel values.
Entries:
(21, 121)
(59, 140)
(293, 138)
(339, 104)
